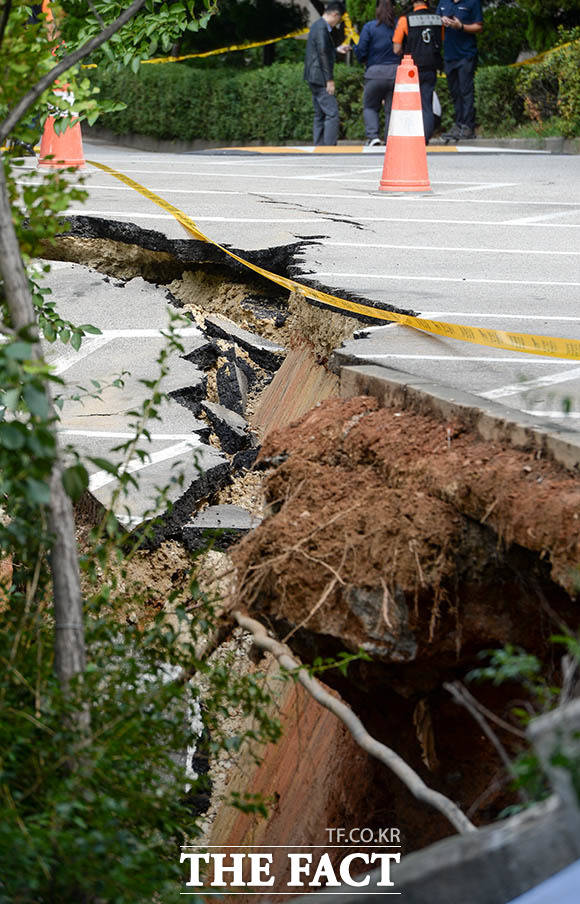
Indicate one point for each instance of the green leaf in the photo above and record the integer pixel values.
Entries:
(76, 341)
(10, 399)
(89, 328)
(18, 351)
(12, 436)
(75, 481)
(38, 491)
(105, 465)
(36, 401)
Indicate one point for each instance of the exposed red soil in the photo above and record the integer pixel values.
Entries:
(424, 544)
(399, 510)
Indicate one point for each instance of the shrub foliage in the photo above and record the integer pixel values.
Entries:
(273, 105)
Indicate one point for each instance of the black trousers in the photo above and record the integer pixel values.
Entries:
(460, 76)
(427, 80)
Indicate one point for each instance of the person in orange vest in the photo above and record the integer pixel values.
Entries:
(420, 33)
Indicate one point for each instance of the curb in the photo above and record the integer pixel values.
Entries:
(490, 420)
(556, 145)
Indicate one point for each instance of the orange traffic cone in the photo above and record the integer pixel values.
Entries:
(66, 148)
(405, 167)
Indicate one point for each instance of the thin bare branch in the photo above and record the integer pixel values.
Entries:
(96, 14)
(408, 776)
(492, 716)
(569, 674)
(462, 696)
(326, 593)
(66, 63)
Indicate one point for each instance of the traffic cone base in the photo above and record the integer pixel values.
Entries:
(64, 149)
(405, 166)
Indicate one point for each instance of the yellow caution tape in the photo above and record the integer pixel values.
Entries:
(540, 56)
(208, 53)
(349, 32)
(550, 346)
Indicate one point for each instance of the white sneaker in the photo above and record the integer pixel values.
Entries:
(374, 143)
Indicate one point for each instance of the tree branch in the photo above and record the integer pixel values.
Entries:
(68, 609)
(402, 770)
(4, 20)
(71, 59)
(462, 696)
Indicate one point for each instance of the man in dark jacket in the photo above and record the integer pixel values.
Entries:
(463, 20)
(319, 73)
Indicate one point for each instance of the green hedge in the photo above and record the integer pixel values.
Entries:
(498, 106)
(551, 89)
(269, 105)
(273, 105)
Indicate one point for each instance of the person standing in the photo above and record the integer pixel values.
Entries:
(319, 73)
(420, 34)
(375, 49)
(463, 20)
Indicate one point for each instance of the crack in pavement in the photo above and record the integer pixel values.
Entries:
(325, 214)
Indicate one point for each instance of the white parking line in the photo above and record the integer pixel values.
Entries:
(404, 199)
(539, 412)
(182, 332)
(111, 434)
(486, 186)
(476, 358)
(454, 279)
(82, 211)
(523, 386)
(433, 248)
(102, 478)
(66, 361)
(434, 315)
(88, 346)
(541, 218)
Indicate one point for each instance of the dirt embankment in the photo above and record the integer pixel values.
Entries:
(424, 545)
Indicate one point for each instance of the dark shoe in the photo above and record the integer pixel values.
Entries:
(465, 133)
(453, 134)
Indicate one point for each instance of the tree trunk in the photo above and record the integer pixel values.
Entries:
(68, 610)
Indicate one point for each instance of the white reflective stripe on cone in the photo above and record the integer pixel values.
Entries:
(406, 89)
(406, 124)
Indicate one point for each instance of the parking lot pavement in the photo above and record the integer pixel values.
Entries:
(494, 244)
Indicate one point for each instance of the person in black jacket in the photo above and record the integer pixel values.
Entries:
(319, 73)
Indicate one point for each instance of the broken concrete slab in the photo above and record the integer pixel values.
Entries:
(264, 352)
(204, 354)
(191, 396)
(231, 429)
(244, 460)
(491, 420)
(233, 520)
(84, 295)
(108, 384)
(174, 474)
(179, 254)
(251, 374)
(232, 387)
